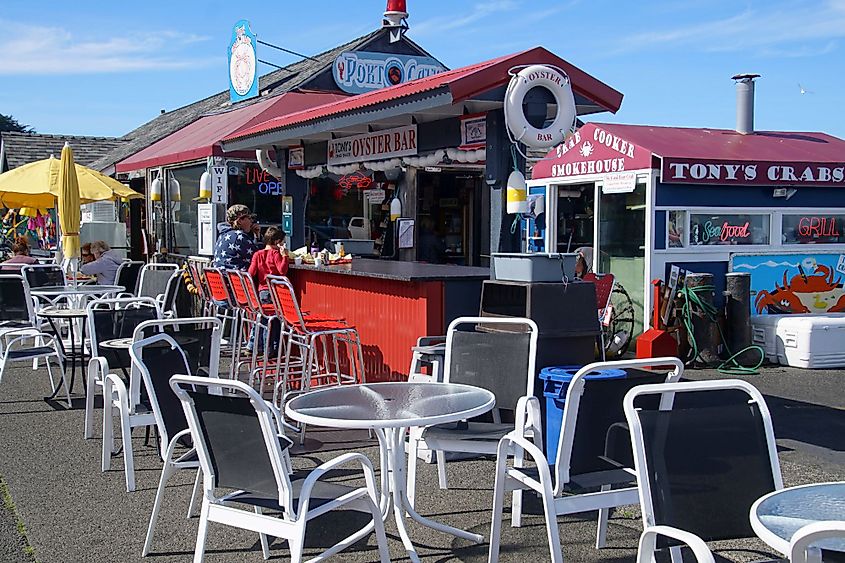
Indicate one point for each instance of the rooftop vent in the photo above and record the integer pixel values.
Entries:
(745, 102)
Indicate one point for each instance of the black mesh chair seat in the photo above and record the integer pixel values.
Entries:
(30, 352)
(11, 325)
(579, 484)
(468, 431)
(322, 493)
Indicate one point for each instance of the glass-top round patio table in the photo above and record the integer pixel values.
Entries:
(389, 409)
(776, 516)
(82, 289)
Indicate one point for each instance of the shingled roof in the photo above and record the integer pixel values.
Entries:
(272, 84)
(17, 149)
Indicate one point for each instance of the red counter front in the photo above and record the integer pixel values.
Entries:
(390, 314)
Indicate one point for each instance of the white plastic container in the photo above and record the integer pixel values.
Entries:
(764, 334)
(812, 341)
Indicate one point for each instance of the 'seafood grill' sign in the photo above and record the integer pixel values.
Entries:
(377, 145)
(690, 171)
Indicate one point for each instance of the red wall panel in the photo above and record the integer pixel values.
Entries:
(389, 314)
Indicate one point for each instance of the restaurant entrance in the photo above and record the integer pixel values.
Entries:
(449, 217)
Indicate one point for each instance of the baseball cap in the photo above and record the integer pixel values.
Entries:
(236, 211)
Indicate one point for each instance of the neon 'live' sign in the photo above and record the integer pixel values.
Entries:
(263, 182)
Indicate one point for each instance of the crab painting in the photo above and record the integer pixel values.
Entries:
(819, 292)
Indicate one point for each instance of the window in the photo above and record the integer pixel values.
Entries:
(708, 230)
(185, 221)
(813, 228)
(675, 229)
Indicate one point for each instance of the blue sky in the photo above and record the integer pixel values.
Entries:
(103, 68)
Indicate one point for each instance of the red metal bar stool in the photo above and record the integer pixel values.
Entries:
(224, 309)
(202, 289)
(260, 318)
(247, 321)
(317, 342)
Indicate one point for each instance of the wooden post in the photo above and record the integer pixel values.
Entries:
(705, 331)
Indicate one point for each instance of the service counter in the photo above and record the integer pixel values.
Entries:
(390, 303)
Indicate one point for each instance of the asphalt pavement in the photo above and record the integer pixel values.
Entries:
(74, 512)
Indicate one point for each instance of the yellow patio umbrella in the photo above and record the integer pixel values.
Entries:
(37, 185)
(68, 205)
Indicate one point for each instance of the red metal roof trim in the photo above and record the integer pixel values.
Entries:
(463, 83)
(723, 156)
(201, 138)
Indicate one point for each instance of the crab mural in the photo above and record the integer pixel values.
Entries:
(818, 292)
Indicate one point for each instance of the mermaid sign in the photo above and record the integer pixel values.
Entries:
(794, 283)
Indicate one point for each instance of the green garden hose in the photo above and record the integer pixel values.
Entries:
(730, 366)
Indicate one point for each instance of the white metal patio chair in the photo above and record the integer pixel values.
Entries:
(167, 300)
(803, 547)
(591, 458)
(499, 355)
(199, 338)
(110, 319)
(157, 358)
(20, 338)
(703, 456)
(237, 439)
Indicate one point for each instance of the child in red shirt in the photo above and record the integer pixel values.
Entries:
(271, 260)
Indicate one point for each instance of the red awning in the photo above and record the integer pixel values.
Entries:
(700, 156)
(462, 83)
(202, 138)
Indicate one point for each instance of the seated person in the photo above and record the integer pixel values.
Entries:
(85, 250)
(236, 239)
(584, 262)
(20, 250)
(104, 265)
(272, 260)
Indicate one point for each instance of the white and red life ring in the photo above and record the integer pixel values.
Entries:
(556, 82)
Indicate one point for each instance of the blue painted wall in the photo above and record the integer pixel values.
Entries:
(660, 230)
(686, 195)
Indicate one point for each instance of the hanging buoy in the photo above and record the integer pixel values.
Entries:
(205, 186)
(395, 209)
(517, 194)
(175, 190)
(155, 190)
(556, 82)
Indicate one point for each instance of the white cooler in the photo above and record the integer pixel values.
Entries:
(804, 341)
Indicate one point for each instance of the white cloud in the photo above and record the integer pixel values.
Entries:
(793, 28)
(35, 50)
(479, 11)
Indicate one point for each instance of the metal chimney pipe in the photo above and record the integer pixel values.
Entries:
(745, 102)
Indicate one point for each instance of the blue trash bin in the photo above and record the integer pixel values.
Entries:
(555, 384)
